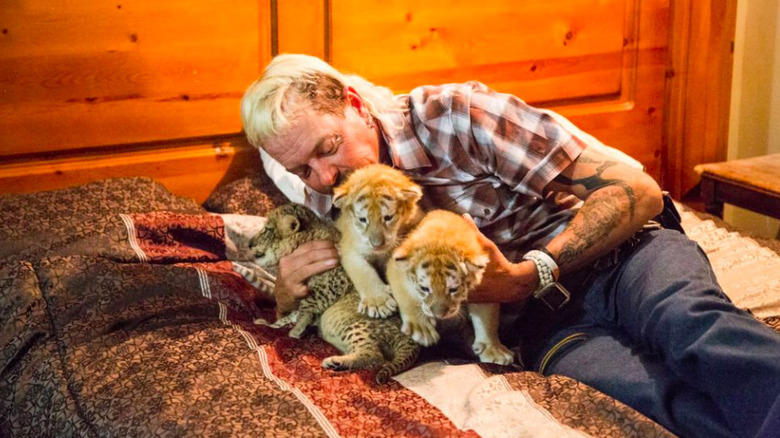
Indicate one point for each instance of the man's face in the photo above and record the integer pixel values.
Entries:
(323, 148)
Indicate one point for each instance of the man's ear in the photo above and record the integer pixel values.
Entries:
(354, 100)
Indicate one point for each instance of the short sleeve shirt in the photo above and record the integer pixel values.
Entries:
(489, 154)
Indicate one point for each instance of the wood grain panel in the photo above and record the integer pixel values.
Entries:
(192, 169)
(541, 50)
(303, 27)
(600, 63)
(634, 123)
(699, 89)
(88, 74)
(92, 90)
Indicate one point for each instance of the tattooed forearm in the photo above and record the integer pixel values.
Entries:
(597, 181)
(629, 191)
(599, 216)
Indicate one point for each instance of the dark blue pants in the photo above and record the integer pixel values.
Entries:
(657, 333)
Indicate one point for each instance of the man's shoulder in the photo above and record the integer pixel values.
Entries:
(430, 102)
(462, 98)
(428, 93)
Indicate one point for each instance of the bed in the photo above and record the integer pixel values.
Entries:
(123, 308)
(124, 313)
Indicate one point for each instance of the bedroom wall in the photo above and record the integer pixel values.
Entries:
(89, 74)
(94, 90)
(754, 124)
(602, 63)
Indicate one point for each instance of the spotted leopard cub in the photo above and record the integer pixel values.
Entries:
(365, 342)
(288, 227)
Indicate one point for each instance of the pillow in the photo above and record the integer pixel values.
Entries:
(253, 195)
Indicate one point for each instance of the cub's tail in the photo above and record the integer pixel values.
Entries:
(406, 353)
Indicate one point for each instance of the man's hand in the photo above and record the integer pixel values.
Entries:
(295, 268)
(502, 281)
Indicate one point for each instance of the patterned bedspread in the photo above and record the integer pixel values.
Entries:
(121, 314)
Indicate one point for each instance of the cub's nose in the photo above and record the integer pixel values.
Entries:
(377, 241)
(441, 311)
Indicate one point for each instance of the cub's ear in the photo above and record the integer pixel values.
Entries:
(340, 197)
(290, 224)
(400, 254)
(476, 264)
(341, 193)
(412, 194)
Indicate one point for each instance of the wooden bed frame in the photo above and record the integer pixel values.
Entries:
(154, 90)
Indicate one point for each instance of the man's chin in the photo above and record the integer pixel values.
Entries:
(327, 192)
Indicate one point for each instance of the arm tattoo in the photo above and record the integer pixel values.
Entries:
(599, 216)
(596, 181)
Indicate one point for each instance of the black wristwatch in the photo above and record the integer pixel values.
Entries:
(554, 295)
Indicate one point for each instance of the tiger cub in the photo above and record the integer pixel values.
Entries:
(431, 274)
(366, 342)
(377, 203)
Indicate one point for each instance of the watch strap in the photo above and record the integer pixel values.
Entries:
(545, 257)
(544, 266)
(544, 249)
(549, 291)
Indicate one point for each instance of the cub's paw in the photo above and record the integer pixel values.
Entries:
(378, 304)
(493, 353)
(291, 318)
(296, 332)
(274, 325)
(421, 330)
(335, 363)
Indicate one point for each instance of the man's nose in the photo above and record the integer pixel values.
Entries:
(328, 175)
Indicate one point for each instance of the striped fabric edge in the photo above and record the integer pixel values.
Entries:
(131, 238)
(540, 409)
(203, 278)
(262, 356)
(487, 405)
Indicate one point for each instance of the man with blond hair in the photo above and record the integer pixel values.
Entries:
(616, 296)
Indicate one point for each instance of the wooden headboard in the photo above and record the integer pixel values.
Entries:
(92, 90)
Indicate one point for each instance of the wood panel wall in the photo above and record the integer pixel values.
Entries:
(97, 89)
(699, 89)
(599, 62)
(88, 74)
(124, 88)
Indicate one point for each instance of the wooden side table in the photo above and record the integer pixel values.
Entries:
(751, 183)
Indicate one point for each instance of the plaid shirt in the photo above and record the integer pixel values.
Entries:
(485, 153)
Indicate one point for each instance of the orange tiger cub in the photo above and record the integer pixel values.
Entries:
(378, 205)
(431, 274)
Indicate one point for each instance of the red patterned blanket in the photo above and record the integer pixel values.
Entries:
(121, 315)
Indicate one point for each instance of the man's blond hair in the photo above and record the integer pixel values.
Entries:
(291, 82)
